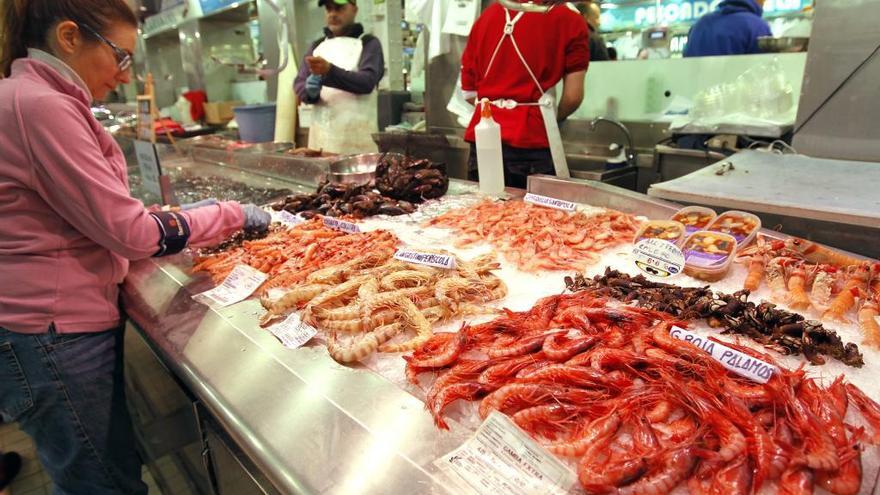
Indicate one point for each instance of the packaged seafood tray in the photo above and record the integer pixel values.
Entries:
(708, 255)
(695, 218)
(667, 230)
(741, 225)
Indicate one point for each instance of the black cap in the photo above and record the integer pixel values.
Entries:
(321, 3)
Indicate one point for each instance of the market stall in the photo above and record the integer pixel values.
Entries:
(339, 409)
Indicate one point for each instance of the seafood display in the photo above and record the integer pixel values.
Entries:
(535, 238)
(190, 187)
(741, 225)
(785, 332)
(666, 230)
(290, 255)
(409, 179)
(638, 411)
(808, 277)
(365, 303)
(337, 200)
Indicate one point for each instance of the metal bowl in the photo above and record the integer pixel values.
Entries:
(357, 169)
(769, 44)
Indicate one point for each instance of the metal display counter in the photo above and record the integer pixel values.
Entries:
(289, 421)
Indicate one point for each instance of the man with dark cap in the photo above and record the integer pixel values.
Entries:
(339, 76)
(10, 465)
(733, 29)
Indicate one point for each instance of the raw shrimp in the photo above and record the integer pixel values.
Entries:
(406, 278)
(823, 285)
(547, 420)
(870, 410)
(499, 374)
(441, 350)
(522, 346)
(797, 294)
(846, 299)
(336, 294)
(412, 319)
(291, 298)
(450, 394)
(796, 481)
(820, 254)
(603, 427)
(672, 468)
(868, 313)
(560, 347)
(361, 347)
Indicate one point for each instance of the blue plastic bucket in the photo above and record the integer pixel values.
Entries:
(256, 123)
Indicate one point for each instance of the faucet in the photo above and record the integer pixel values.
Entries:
(630, 155)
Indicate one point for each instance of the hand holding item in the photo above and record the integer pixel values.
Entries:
(313, 86)
(199, 204)
(255, 218)
(318, 66)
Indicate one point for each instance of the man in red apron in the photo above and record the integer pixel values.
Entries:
(516, 59)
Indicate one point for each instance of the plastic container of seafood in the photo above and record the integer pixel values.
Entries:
(667, 230)
(708, 255)
(741, 225)
(695, 218)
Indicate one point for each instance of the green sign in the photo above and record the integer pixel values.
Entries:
(672, 12)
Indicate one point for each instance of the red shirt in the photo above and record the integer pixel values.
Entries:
(554, 44)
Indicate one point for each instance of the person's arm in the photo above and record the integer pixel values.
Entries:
(572, 94)
(299, 84)
(72, 175)
(364, 80)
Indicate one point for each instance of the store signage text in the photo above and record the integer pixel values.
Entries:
(738, 362)
(680, 12)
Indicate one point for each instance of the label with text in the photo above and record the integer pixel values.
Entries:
(558, 204)
(341, 225)
(238, 286)
(501, 458)
(738, 362)
(289, 218)
(436, 260)
(293, 332)
(658, 257)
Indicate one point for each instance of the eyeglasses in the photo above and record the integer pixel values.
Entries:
(123, 58)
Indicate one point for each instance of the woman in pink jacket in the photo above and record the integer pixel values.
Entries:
(68, 228)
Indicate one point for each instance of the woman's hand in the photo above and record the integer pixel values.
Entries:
(255, 218)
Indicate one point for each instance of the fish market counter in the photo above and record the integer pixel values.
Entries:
(222, 407)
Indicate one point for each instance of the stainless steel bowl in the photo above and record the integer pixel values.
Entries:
(357, 169)
(769, 44)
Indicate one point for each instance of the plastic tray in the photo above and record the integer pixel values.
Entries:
(708, 255)
(667, 230)
(741, 225)
(695, 218)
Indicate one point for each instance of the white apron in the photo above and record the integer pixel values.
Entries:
(547, 102)
(343, 122)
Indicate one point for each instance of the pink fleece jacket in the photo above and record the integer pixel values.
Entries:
(68, 225)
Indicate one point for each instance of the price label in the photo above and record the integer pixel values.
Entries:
(342, 225)
(148, 164)
(290, 219)
(238, 286)
(550, 202)
(501, 458)
(658, 257)
(436, 260)
(293, 332)
(738, 362)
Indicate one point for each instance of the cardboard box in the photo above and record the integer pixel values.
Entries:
(220, 112)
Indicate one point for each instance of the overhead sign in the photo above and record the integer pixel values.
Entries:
(209, 6)
(671, 12)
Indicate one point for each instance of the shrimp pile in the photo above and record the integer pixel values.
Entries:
(783, 331)
(289, 255)
(807, 276)
(641, 412)
(374, 298)
(535, 238)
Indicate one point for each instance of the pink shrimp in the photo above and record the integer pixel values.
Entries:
(560, 347)
(600, 428)
(870, 410)
(497, 375)
(521, 346)
(547, 419)
(673, 468)
(450, 394)
(440, 350)
(796, 481)
(568, 375)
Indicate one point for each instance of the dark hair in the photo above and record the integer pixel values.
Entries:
(25, 23)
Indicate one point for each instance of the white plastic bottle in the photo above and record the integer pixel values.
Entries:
(490, 163)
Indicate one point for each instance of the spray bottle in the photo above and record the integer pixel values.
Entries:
(490, 163)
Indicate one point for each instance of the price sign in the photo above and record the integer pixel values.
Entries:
(738, 362)
(501, 458)
(293, 332)
(658, 257)
(290, 219)
(557, 204)
(148, 163)
(238, 286)
(341, 225)
(436, 260)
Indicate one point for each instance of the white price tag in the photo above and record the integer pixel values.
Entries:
(337, 224)
(289, 218)
(148, 164)
(740, 363)
(550, 202)
(658, 257)
(436, 260)
(293, 332)
(240, 284)
(501, 458)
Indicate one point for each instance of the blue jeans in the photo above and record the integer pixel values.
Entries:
(67, 392)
